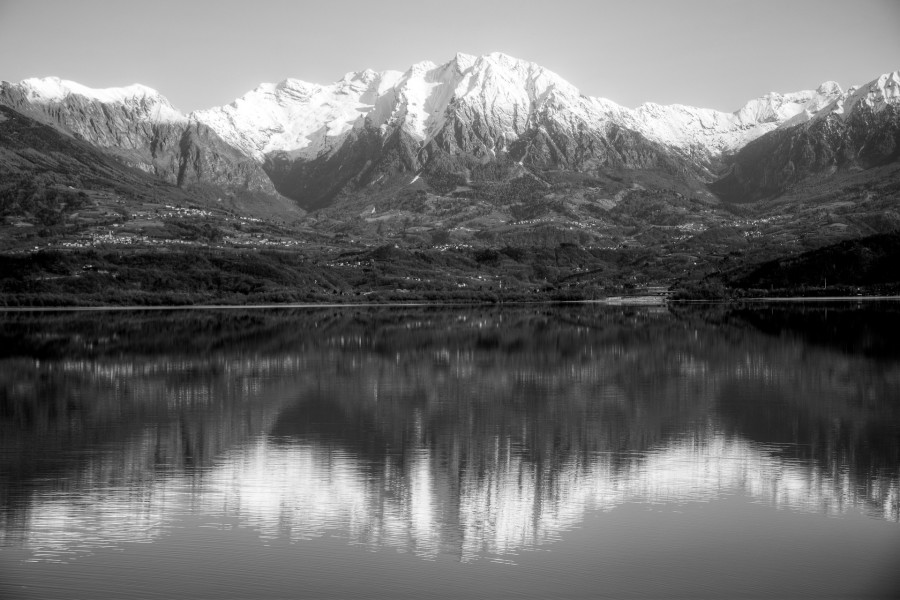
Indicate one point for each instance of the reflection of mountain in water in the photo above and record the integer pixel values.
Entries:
(300, 491)
(473, 433)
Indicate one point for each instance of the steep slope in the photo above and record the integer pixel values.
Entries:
(857, 131)
(55, 188)
(711, 132)
(142, 129)
(299, 118)
(436, 120)
(40, 168)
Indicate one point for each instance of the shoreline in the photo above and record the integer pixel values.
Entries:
(611, 301)
(789, 299)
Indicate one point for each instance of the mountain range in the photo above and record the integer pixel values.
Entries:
(487, 151)
(311, 142)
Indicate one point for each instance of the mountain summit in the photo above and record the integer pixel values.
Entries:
(306, 119)
(317, 139)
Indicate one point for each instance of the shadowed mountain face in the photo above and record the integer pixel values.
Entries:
(824, 148)
(146, 133)
(49, 177)
(453, 156)
(364, 159)
(32, 149)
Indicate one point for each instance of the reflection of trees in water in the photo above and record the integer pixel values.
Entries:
(818, 381)
(76, 425)
(480, 431)
(865, 329)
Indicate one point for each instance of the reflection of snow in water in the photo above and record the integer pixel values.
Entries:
(299, 490)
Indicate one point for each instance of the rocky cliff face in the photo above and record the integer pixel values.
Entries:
(857, 131)
(142, 129)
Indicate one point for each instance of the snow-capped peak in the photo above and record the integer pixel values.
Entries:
(305, 119)
(298, 117)
(777, 108)
(829, 88)
(464, 61)
(505, 94)
(48, 90)
(422, 67)
(521, 74)
(54, 89)
(876, 94)
(716, 131)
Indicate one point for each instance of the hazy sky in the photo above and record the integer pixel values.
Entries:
(715, 54)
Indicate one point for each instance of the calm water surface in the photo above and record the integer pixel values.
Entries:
(578, 451)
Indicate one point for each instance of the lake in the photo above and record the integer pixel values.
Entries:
(727, 451)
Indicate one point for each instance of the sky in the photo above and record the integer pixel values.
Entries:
(199, 54)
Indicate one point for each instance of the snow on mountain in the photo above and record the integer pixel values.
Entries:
(509, 92)
(315, 139)
(778, 108)
(306, 120)
(120, 119)
(150, 105)
(879, 93)
(716, 132)
(856, 131)
(142, 129)
(422, 95)
(503, 93)
(303, 119)
(876, 95)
